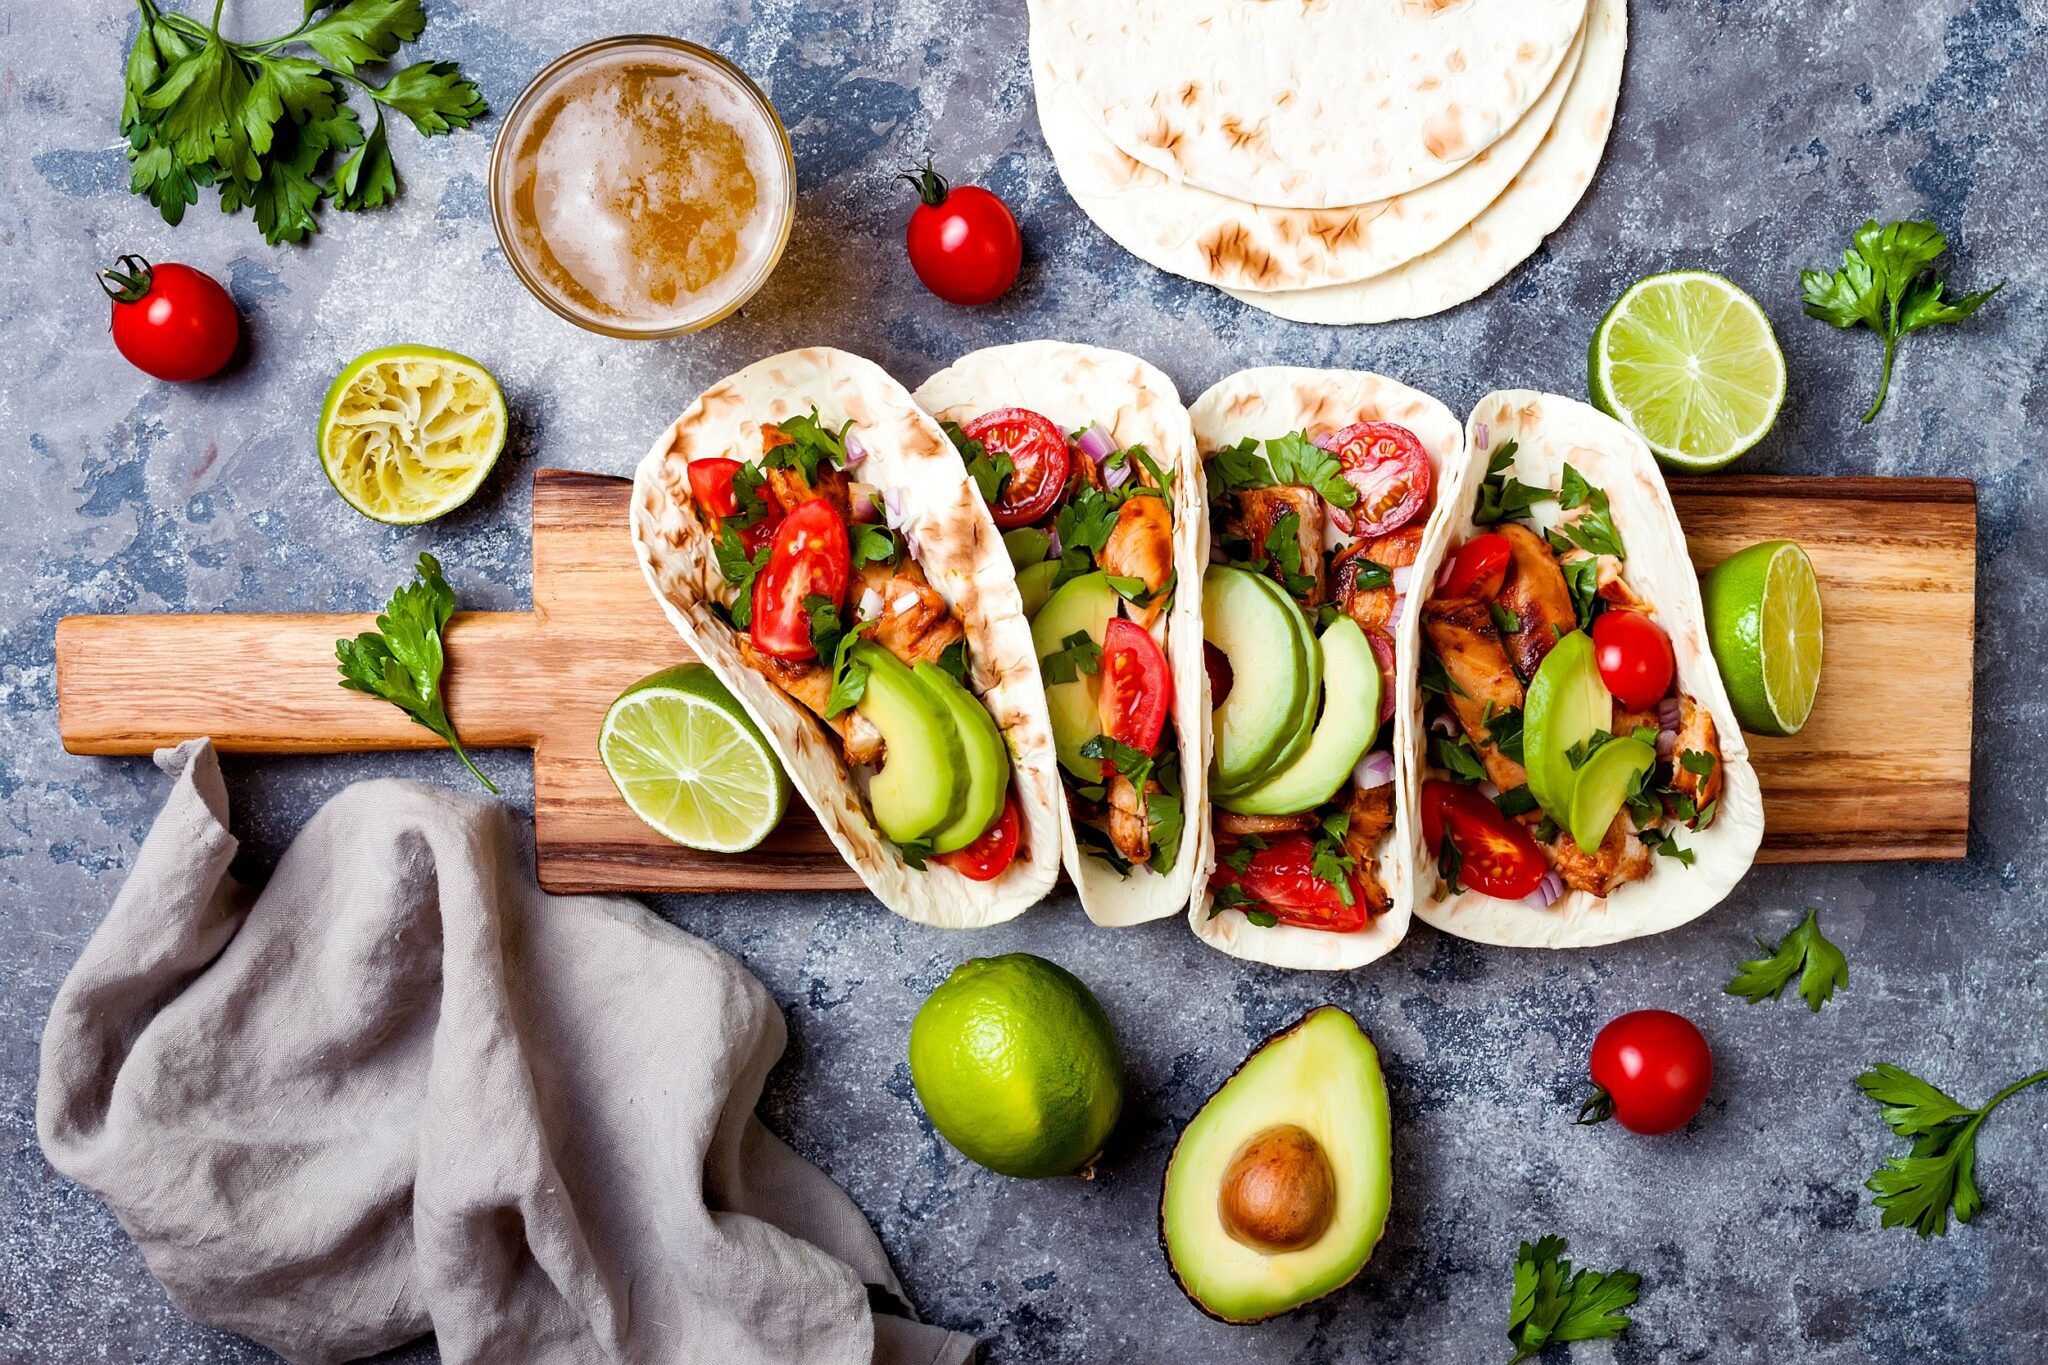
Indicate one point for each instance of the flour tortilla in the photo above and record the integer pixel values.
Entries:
(960, 552)
(1075, 385)
(1306, 103)
(1549, 433)
(1269, 402)
(1512, 228)
(1218, 240)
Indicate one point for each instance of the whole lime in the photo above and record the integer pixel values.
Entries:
(1018, 1066)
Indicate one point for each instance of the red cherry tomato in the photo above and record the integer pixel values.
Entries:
(985, 859)
(1217, 664)
(1038, 449)
(963, 243)
(1281, 878)
(171, 321)
(1635, 658)
(1497, 857)
(1383, 654)
(1651, 1070)
(1137, 690)
(711, 485)
(809, 558)
(1477, 569)
(1390, 470)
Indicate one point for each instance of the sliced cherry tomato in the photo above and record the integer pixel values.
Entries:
(1476, 570)
(711, 485)
(171, 321)
(809, 558)
(985, 859)
(1038, 449)
(1221, 676)
(1281, 877)
(1651, 1069)
(1390, 470)
(1497, 857)
(1137, 690)
(963, 243)
(1383, 653)
(762, 531)
(1635, 658)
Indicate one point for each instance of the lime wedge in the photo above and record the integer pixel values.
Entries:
(408, 433)
(1690, 362)
(691, 763)
(1764, 624)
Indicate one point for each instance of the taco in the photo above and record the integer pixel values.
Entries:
(1581, 778)
(811, 533)
(1321, 485)
(1087, 461)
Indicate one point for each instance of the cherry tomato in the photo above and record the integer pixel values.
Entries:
(1497, 857)
(171, 321)
(1651, 1070)
(1137, 690)
(1390, 470)
(1476, 570)
(1281, 878)
(809, 558)
(1383, 653)
(985, 859)
(1217, 664)
(711, 485)
(963, 243)
(1038, 449)
(1635, 658)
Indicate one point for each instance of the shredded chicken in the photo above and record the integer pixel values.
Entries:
(1232, 825)
(1130, 827)
(1372, 814)
(1373, 608)
(1467, 643)
(1621, 858)
(810, 682)
(1696, 735)
(1259, 510)
(1535, 592)
(912, 622)
(789, 488)
(1141, 546)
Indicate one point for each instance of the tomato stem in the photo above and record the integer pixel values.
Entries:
(1598, 1108)
(931, 186)
(129, 283)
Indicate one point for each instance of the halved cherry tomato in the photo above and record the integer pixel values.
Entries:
(1383, 654)
(1651, 1069)
(985, 858)
(1281, 877)
(1390, 470)
(1497, 856)
(1635, 658)
(1038, 449)
(809, 558)
(1477, 569)
(1221, 675)
(711, 485)
(1137, 690)
(762, 531)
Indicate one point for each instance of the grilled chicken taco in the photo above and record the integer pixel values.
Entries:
(813, 536)
(1582, 779)
(1087, 462)
(1321, 483)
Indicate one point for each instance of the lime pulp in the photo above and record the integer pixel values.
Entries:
(409, 433)
(691, 763)
(1764, 624)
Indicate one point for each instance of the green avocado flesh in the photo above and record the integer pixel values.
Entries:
(1027, 545)
(1601, 786)
(1275, 667)
(1081, 604)
(1034, 585)
(988, 762)
(923, 778)
(1567, 702)
(1350, 720)
(1250, 1228)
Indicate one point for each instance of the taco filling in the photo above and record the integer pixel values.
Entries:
(829, 604)
(1562, 751)
(1089, 528)
(1314, 542)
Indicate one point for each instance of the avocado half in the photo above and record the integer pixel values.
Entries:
(1278, 1190)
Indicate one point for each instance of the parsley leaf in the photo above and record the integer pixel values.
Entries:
(401, 661)
(1231, 896)
(1502, 496)
(1805, 953)
(1331, 862)
(1165, 814)
(1134, 764)
(1593, 530)
(915, 852)
(1515, 801)
(1283, 549)
(1099, 845)
(1261, 918)
(1434, 679)
(871, 544)
(1504, 620)
(1582, 580)
(953, 659)
(1240, 857)
(849, 672)
(1289, 459)
(1553, 1303)
(1919, 1189)
(739, 569)
(1083, 528)
(1504, 731)
(1458, 758)
(1078, 653)
(989, 472)
(1667, 846)
(809, 447)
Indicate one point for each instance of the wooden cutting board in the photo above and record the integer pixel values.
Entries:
(1882, 771)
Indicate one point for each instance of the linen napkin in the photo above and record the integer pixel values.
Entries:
(401, 1090)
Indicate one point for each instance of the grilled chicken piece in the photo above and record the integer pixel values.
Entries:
(1232, 825)
(1536, 593)
(1467, 643)
(1695, 735)
(1621, 858)
(1372, 608)
(913, 622)
(789, 488)
(810, 682)
(1130, 825)
(1611, 588)
(1372, 814)
(1141, 546)
(1084, 474)
(1259, 510)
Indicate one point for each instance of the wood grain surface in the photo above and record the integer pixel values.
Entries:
(1882, 771)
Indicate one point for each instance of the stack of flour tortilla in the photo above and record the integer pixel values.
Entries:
(1331, 161)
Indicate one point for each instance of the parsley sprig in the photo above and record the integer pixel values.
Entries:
(1805, 953)
(1554, 1303)
(401, 661)
(1289, 459)
(1919, 1189)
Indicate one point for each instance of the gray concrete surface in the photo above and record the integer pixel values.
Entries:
(1752, 139)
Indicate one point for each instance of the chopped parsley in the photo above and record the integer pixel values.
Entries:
(989, 472)
(1502, 496)
(849, 673)
(810, 446)
(1457, 757)
(874, 545)
(1077, 654)
(1504, 621)
(1282, 550)
(1289, 459)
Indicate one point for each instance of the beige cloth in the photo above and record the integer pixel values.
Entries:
(403, 1090)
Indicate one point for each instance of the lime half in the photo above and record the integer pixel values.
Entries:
(409, 432)
(691, 763)
(1690, 362)
(1763, 621)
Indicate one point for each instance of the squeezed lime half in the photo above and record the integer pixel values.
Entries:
(409, 433)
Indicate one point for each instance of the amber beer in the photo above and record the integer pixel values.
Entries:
(642, 187)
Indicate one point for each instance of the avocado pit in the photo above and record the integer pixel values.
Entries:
(1278, 1192)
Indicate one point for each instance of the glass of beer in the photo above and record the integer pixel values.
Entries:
(642, 187)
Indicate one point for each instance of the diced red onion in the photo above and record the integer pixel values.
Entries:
(1376, 769)
(910, 543)
(1404, 575)
(1546, 893)
(1487, 789)
(1052, 546)
(1326, 441)
(1097, 444)
(893, 499)
(860, 498)
(1341, 519)
(1444, 723)
(1443, 573)
(1483, 433)
(1116, 475)
(855, 451)
(1669, 712)
(1216, 555)
(869, 606)
(1667, 743)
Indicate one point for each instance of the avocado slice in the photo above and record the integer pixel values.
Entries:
(1027, 546)
(1274, 667)
(1279, 1187)
(1567, 702)
(1034, 584)
(1080, 604)
(923, 779)
(1350, 720)
(1602, 783)
(988, 762)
